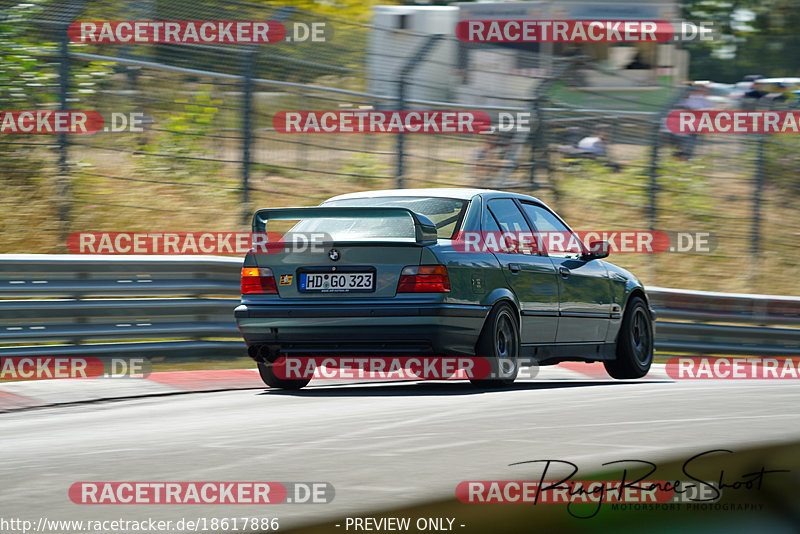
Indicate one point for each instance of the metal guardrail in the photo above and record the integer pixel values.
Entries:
(183, 307)
(112, 305)
(725, 323)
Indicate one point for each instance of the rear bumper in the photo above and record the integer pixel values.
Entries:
(446, 329)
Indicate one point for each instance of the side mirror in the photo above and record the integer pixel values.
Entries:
(597, 250)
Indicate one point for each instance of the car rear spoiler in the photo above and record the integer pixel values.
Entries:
(424, 229)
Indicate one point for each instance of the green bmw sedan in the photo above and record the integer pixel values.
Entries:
(437, 272)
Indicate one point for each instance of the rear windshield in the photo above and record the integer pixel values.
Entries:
(446, 213)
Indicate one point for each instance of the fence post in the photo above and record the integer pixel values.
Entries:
(652, 193)
(652, 174)
(539, 137)
(405, 72)
(279, 15)
(755, 228)
(247, 127)
(401, 98)
(652, 205)
(63, 189)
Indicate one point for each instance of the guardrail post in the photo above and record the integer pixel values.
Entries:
(405, 72)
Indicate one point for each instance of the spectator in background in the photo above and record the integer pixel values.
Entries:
(697, 98)
(686, 143)
(680, 142)
(794, 98)
(574, 75)
(492, 158)
(752, 97)
(595, 147)
(638, 62)
(783, 96)
(594, 144)
(756, 91)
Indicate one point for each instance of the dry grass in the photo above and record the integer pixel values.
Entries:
(710, 194)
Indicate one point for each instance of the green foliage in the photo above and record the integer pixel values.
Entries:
(769, 44)
(23, 72)
(183, 134)
(29, 80)
(588, 180)
(351, 10)
(22, 79)
(681, 187)
(782, 167)
(684, 187)
(368, 171)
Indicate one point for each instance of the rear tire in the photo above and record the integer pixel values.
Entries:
(499, 342)
(267, 373)
(634, 343)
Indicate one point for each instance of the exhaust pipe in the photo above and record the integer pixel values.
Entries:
(264, 353)
(261, 353)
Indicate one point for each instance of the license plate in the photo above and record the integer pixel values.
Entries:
(334, 282)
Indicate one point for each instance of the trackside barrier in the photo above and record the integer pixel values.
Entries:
(725, 323)
(115, 305)
(183, 307)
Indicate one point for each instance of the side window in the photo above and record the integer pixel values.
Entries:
(508, 216)
(559, 240)
(489, 222)
(504, 216)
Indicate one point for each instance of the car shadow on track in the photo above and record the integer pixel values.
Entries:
(439, 388)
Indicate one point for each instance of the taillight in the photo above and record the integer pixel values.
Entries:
(258, 280)
(424, 279)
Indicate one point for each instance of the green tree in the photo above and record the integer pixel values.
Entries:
(751, 37)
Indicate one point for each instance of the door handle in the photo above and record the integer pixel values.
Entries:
(513, 267)
(564, 272)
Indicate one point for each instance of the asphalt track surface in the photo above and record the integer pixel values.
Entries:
(381, 445)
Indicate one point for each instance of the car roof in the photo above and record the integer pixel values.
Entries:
(779, 80)
(461, 193)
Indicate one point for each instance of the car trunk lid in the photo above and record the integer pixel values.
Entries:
(337, 252)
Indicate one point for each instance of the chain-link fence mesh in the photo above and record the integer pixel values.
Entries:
(209, 154)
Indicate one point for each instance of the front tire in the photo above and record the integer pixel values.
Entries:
(634, 343)
(499, 342)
